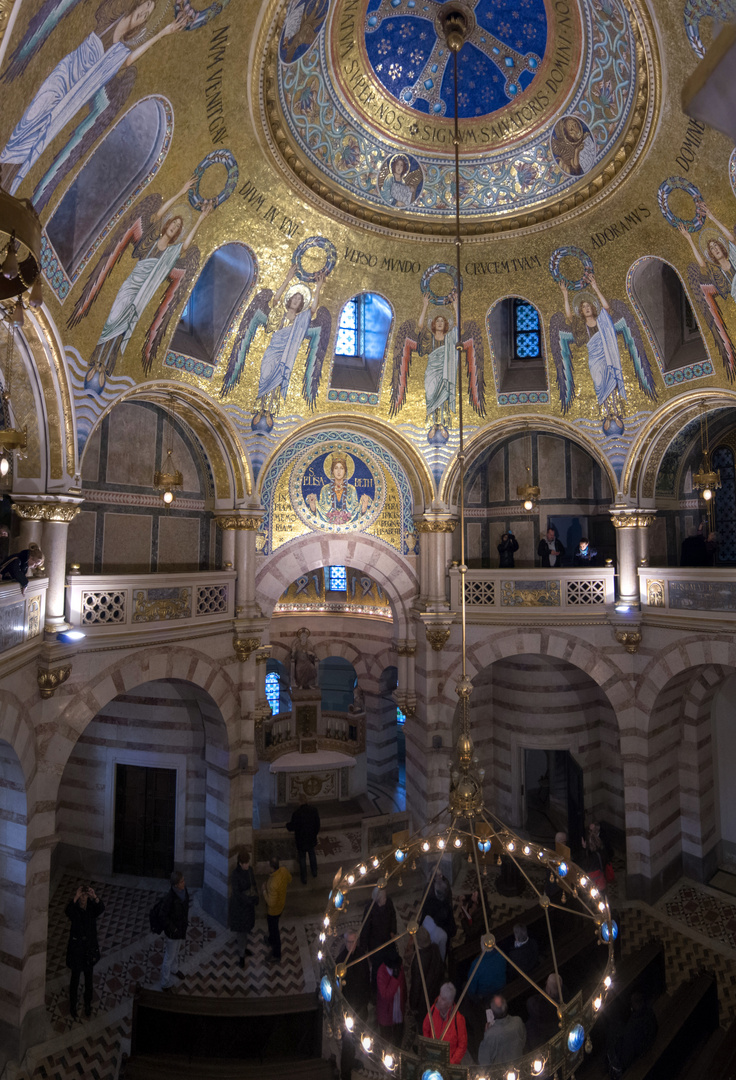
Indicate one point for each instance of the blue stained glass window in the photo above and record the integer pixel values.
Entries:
(338, 579)
(363, 327)
(347, 329)
(527, 331)
(272, 691)
(400, 717)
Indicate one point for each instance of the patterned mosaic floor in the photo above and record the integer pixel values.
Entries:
(696, 925)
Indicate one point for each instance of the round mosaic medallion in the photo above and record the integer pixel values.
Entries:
(554, 102)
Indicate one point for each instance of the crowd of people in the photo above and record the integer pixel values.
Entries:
(550, 551)
(383, 987)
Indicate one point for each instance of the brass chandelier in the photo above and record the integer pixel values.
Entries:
(466, 827)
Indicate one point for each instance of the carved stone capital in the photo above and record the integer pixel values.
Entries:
(248, 522)
(630, 639)
(264, 654)
(245, 646)
(46, 511)
(624, 519)
(406, 650)
(438, 636)
(436, 525)
(49, 681)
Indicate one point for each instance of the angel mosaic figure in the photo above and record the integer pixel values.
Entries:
(301, 319)
(439, 345)
(712, 278)
(82, 77)
(595, 327)
(162, 256)
(397, 182)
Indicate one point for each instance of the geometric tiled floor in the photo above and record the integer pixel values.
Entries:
(696, 925)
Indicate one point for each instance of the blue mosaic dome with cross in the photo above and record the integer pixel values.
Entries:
(410, 59)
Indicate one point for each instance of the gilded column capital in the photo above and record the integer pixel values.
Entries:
(46, 511)
(50, 681)
(435, 525)
(438, 636)
(406, 650)
(245, 646)
(249, 522)
(630, 639)
(646, 518)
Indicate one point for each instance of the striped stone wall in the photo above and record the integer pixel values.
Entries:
(162, 724)
(537, 702)
(13, 868)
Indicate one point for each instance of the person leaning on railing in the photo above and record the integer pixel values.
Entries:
(20, 566)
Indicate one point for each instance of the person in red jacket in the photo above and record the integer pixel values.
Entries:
(391, 996)
(436, 1020)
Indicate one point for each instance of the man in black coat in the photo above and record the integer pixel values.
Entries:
(551, 551)
(83, 951)
(525, 953)
(243, 903)
(305, 825)
(175, 915)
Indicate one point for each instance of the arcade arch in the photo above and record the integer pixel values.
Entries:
(146, 788)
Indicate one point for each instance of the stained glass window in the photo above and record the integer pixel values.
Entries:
(272, 691)
(400, 717)
(363, 327)
(338, 579)
(527, 334)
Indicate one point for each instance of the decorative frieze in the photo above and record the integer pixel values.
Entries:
(46, 511)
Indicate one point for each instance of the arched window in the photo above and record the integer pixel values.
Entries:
(119, 169)
(360, 344)
(517, 350)
(337, 680)
(216, 299)
(277, 687)
(662, 305)
(337, 579)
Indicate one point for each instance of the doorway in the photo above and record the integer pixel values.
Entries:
(553, 795)
(145, 813)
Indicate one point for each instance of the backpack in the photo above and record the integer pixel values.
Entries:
(156, 916)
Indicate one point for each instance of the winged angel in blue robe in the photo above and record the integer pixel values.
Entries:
(97, 74)
(596, 327)
(302, 319)
(439, 344)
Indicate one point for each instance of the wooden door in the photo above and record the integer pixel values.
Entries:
(145, 815)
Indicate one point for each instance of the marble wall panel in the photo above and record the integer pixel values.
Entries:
(131, 446)
(127, 542)
(178, 544)
(81, 541)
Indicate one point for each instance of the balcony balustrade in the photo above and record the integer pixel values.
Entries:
(533, 595)
(21, 617)
(694, 593)
(102, 605)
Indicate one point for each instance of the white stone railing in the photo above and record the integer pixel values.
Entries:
(21, 617)
(577, 593)
(111, 604)
(691, 591)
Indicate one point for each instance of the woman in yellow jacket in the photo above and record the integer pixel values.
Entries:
(274, 892)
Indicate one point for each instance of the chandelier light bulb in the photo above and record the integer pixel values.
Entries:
(18, 316)
(537, 1066)
(168, 497)
(707, 494)
(10, 263)
(349, 1022)
(367, 1043)
(528, 504)
(35, 299)
(4, 466)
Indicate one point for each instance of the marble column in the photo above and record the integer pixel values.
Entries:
(243, 526)
(626, 524)
(434, 545)
(53, 515)
(644, 520)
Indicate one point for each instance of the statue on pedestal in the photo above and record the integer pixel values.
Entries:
(303, 662)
